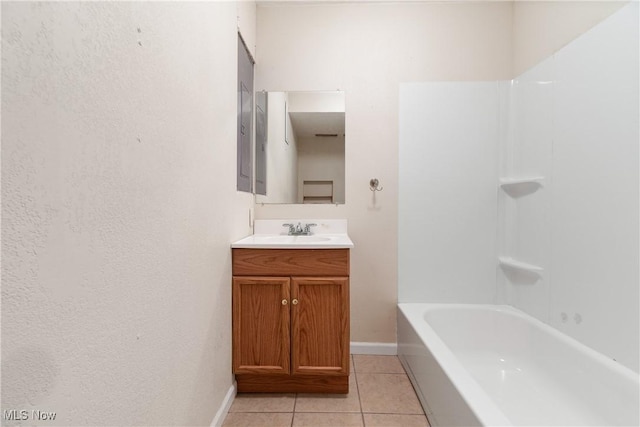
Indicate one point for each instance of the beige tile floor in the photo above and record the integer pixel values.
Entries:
(380, 394)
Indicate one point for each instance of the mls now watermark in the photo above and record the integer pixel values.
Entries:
(24, 415)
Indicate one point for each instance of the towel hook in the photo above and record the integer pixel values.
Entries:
(374, 185)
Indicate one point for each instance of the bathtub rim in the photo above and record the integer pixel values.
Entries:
(476, 399)
(480, 404)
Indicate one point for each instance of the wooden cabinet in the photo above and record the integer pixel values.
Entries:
(261, 325)
(291, 320)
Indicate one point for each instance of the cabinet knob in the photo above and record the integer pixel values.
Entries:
(294, 302)
(284, 302)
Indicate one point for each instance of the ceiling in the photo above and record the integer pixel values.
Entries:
(309, 124)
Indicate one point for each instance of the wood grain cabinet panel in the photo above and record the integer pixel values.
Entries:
(291, 262)
(261, 325)
(320, 317)
(291, 331)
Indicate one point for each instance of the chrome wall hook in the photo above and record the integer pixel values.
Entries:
(374, 185)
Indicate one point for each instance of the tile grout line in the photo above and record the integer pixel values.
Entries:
(293, 413)
(355, 376)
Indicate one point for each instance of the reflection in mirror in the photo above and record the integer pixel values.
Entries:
(302, 142)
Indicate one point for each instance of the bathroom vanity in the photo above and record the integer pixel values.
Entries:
(291, 312)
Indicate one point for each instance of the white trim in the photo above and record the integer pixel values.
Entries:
(382, 348)
(224, 407)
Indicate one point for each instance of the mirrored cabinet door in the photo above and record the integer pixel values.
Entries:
(304, 148)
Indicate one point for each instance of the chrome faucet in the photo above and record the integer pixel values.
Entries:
(298, 230)
(307, 228)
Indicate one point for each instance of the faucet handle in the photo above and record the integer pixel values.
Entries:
(292, 228)
(307, 228)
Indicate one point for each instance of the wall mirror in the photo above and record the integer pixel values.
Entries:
(300, 147)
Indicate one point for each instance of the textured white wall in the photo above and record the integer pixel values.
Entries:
(119, 204)
(367, 50)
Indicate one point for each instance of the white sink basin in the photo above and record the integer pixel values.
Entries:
(272, 234)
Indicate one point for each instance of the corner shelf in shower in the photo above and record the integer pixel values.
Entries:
(513, 264)
(521, 186)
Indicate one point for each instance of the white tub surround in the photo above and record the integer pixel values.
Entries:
(273, 234)
(532, 185)
(494, 365)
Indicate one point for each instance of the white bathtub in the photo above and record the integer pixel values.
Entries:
(494, 365)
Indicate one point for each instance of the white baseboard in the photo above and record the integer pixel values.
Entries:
(381, 348)
(224, 407)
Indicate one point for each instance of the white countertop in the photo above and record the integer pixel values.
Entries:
(270, 234)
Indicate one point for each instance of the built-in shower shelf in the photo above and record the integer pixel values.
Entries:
(514, 264)
(519, 186)
(526, 180)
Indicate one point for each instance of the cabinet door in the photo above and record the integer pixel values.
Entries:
(261, 325)
(320, 316)
(245, 117)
